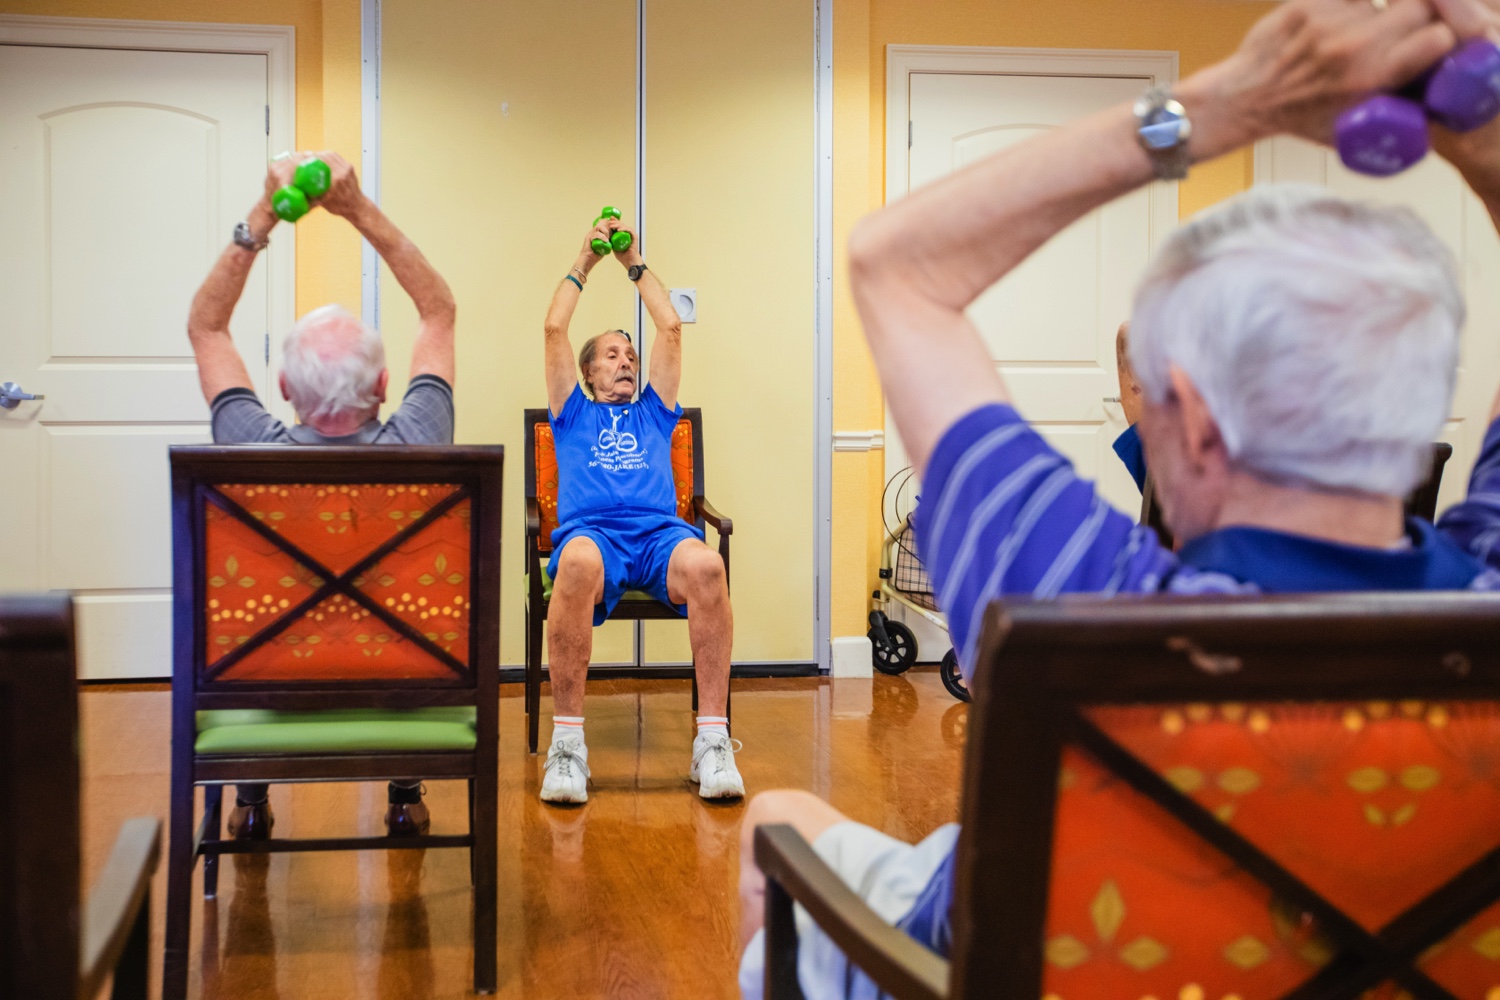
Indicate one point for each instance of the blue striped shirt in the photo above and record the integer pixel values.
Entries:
(1003, 513)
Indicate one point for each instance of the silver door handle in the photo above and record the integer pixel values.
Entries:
(1111, 399)
(12, 394)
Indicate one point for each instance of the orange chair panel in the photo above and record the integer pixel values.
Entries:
(545, 450)
(337, 524)
(1139, 906)
(252, 583)
(337, 640)
(423, 581)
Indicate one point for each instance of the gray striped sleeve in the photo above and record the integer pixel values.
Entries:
(425, 415)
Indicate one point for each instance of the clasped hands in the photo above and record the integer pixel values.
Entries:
(1309, 60)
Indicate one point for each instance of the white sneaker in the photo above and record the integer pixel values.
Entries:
(713, 767)
(566, 777)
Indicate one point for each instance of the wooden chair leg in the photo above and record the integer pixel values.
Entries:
(471, 831)
(131, 973)
(533, 677)
(180, 861)
(213, 803)
(486, 830)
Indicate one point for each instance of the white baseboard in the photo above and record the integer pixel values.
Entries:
(852, 657)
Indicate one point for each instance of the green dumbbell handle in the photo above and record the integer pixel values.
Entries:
(311, 180)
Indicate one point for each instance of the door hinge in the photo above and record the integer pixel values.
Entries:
(908, 134)
(268, 119)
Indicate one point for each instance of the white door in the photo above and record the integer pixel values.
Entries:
(1051, 323)
(121, 176)
(1434, 190)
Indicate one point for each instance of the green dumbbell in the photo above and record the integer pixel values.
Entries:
(312, 180)
(620, 241)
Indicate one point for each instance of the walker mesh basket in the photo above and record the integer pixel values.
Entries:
(910, 577)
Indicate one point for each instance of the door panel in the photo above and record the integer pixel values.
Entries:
(1050, 324)
(1435, 191)
(122, 173)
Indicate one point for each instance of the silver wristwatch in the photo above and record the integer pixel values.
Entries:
(1162, 128)
(243, 237)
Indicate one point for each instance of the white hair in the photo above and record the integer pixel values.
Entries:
(323, 384)
(1323, 335)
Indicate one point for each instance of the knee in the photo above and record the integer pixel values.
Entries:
(580, 567)
(779, 805)
(704, 573)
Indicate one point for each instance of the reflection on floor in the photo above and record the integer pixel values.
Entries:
(633, 895)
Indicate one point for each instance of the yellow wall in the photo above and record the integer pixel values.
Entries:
(500, 204)
(1200, 31)
(328, 107)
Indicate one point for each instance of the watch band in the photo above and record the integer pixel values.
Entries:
(244, 237)
(1163, 129)
(634, 271)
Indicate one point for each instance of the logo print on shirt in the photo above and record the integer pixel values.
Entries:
(612, 440)
(617, 450)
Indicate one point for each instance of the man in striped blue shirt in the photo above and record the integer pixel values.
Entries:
(1297, 355)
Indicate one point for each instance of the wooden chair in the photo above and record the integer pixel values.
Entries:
(1289, 797)
(336, 618)
(541, 521)
(48, 950)
(1422, 502)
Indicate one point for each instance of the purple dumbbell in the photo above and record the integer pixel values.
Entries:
(1463, 92)
(1382, 136)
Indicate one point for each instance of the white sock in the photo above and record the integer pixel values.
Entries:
(716, 725)
(567, 727)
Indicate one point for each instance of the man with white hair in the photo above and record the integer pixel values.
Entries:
(333, 373)
(1297, 355)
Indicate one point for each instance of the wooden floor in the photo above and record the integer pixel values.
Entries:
(632, 895)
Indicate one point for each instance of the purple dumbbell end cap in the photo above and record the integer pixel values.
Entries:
(1382, 135)
(1464, 92)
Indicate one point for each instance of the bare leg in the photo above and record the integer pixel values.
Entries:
(695, 577)
(805, 812)
(570, 622)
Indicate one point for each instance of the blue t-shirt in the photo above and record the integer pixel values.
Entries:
(1128, 446)
(1003, 513)
(614, 455)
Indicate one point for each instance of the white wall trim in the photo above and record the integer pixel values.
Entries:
(904, 60)
(823, 437)
(858, 440)
(369, 159)
(277, 42)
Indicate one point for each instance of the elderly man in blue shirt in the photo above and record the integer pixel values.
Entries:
(1297, 355)
(618, 524)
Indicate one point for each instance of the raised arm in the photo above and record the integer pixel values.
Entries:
(220, 366)
(1476, 154)
(919, 263)
(666, 346)
(562, 371)
(436, 311)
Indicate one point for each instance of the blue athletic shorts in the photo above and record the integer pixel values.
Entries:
(636, 545)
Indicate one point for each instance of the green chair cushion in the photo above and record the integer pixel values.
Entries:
(629, 595)
(341, 730)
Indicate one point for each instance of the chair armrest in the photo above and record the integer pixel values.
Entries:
(115, 901)
(533, 519)
(709, 513)
(897, 963)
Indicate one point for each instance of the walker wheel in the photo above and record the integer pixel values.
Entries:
(953, 678)
(898, 652)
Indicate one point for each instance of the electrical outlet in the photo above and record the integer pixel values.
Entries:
(685, 301)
